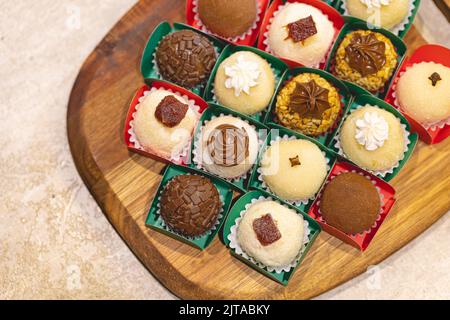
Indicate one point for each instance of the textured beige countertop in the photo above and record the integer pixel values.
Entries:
(54, 241)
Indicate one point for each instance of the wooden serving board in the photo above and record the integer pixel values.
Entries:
(123, 184)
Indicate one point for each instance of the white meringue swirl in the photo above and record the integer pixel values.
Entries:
(242, 76)
(375, 3)
(372, 131)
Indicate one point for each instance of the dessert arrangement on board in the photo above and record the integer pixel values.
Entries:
(303, 113)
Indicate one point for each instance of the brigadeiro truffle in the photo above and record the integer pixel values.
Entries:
(228, 19)
(423, 93)
(164, 123)
(308, 104)
(186, 58)
(271, 233)
(366, 58)
(190, 205)
(350, 203)
(229, 146)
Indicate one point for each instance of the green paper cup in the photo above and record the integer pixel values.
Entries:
(400, 29)
(155, 221)
(410, 138)
(148, 64)
(354, 24)
(278, 67)
(312, 228)
(340, 86)
(215, 111)
(278, 132)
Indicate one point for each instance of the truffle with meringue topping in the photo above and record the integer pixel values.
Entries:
(380, 13)
(373, 138)
(244, 82)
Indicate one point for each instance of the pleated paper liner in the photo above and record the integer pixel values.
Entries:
(426, 53)
(278, 67)
(279, 131)
(400, 29)
(355, 24)
(216, 111)
(282, 277)
(387, 197)
(362, 100)
(155, 221)
(149, 68)
(158, 84)
(342, 89)
(333, 15)
(247, 39)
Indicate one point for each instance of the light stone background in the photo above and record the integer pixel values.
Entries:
(54, 241)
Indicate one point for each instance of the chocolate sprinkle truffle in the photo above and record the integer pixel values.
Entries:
(186, 58)
(350, 203)
(228, 19)
(190, 205)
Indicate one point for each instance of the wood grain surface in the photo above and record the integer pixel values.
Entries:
(123, 184)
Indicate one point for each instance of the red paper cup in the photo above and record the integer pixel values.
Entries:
(360, 241)
(249, 39)
(334, 16)
(132, 109)
(425, 53)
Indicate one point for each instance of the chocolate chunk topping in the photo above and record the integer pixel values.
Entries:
(266, 230)
(190, 205)
(366, 54)
(309, 99)
(295, 161)
(435, 77)
(228, 145)
(170, 111)
(185, 58)
(302, 29)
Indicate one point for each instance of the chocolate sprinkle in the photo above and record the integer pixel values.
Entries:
(435, 77)
(302, 29)
(190, 205)
(170, 111)
(186, 58)
(309, 99)
(266, 230)
(295, 161)
(228, 145)
(366, 54)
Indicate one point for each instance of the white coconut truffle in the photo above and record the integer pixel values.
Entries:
(288, 223)
(419, 98)
(228, 146)
(309, 52)
(294, 169)
(153, 135)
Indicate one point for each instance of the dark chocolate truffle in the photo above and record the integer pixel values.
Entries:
(350, 203)
(190, 205)
(186, 58)
(228, 19)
